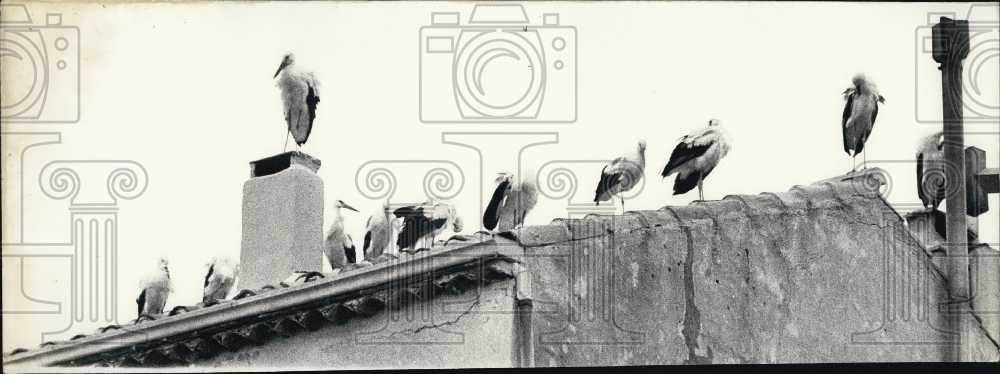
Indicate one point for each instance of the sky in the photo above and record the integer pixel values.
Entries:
(186, 91)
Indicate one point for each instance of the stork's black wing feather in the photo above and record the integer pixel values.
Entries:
(311, 100)
(368, 242)
(607, 182)
(843, 123)
(350, 253)
(683, 184)
(211, 269)
(414, 227)
(682, 153)
(437, 223)
(490, 217)
(141, 302)
(920, 178)
(407, 211)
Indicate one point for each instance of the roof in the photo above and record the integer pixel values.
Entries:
(187, 334)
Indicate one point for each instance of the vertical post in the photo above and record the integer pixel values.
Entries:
(951, 45)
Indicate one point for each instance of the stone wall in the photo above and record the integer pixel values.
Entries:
(822, 273)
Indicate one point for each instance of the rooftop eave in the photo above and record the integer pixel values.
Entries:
(342, 286)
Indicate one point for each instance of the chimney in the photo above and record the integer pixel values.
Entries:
(282, 219)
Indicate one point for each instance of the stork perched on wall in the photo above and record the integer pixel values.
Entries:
(156, 287)
(219, 280)
(621, 174)
(859, 116)
(421, 224)
(697, 154)
(511, 202)
(931, 170)
(299, 97)
(337, 243)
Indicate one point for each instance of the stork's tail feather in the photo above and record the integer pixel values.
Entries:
(685, 183)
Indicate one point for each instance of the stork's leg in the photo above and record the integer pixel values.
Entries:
(701, 192)
(854, 163)
(287, 134)
(864, 163)
(622, 198)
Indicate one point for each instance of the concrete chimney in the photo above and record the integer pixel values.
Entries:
(282, 219)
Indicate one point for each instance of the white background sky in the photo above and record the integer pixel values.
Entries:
(186, 91)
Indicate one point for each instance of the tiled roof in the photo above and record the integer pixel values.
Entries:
(187, 334)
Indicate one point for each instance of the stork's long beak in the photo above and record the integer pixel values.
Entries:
(283, 64)
(349, 207)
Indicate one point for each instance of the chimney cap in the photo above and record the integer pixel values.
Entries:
(277, 163)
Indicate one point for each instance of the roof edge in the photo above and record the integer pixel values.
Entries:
(276, 300)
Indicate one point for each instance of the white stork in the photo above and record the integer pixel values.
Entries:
(859, 116)
(421, 225)
(378, 232)
(337, 243)
(621, 174)
(930, 171)
(155, 290)
(697, 154)
(511, 202)
(219, 280)
(299, 97)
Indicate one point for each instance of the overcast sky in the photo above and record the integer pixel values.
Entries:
(186, 91)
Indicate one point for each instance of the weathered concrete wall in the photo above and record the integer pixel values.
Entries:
(474, 329)
(822, 273)
(788, 277)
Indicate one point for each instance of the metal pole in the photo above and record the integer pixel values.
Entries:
(951, 45)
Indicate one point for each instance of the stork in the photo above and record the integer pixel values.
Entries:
(155, 289)
(621, 174)
(859, 116)
(697, 154)
(378, 231)
(930, 171)
(421, 224)
(219, 279)
(511, 202)
(299, 97)
(337, 243)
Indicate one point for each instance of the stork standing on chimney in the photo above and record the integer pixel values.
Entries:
(155, 289)
(338, 243)
(621, 174)
(697, 154)
(299, 97)
(859, 116)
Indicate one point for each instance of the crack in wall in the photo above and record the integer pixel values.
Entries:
(417, 330)
(692, 316)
